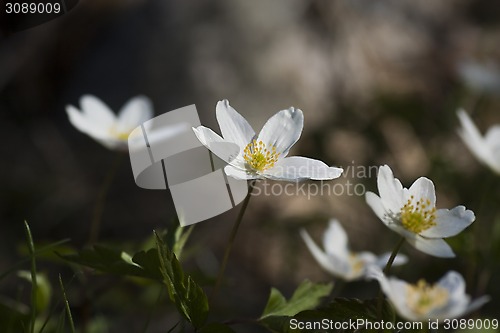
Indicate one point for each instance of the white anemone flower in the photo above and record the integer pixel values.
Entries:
(487, 148)
(412, 213)
(446, 299)
(263, 155)
(100, 123)
(338, 259)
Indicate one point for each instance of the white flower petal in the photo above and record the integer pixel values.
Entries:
(226, 151)
(138, 110)
(299, 168)
(475, 142)
(97, 112)
(423, 188)
(434, 246)
(335, 239)
(395, 290)
(282, 130)
(375, 203)
(233, 126)
(238, 173)
(83, 124)
(390, 189)
(476, 304)
(450, 222)
(454, 283)
(330, 263)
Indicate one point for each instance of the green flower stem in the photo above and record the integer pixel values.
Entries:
(232, 236)
(387, 270)
(66, 305)
(31, 248)
(95, 225)
(394, 253)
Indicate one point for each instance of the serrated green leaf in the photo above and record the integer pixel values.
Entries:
(307, 296)
(216, 328)
(188, 296)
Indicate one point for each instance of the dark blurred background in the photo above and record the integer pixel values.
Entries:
(379, 83)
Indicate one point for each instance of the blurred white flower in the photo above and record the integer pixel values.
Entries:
(264, 155)
(412, 213)
(445, 299)
(487, 148)
(338, 260)
(98, 121)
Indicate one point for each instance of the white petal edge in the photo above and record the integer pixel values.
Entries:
(422, 188)
(474, 140)
(283, 130)
(341, 269)
(238, 173)
(335, 240)
(234, 127)
(450, 222)
(375, 203)
(97, 112)
(390, 189)
(135, 112)
(394, 289)
(436, 247)
(298, 168)
(81, 123)
(229, 152)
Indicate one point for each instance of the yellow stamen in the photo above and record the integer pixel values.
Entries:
(258, 157)
(418, 216)
(118, 134)
(356, 263)
(423, 298)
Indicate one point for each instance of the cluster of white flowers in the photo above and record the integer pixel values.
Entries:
(410, 212)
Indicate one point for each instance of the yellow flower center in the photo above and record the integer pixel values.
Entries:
(423, 298)
(418, 216)
(119, 134)
(356, 263)
(258, 157)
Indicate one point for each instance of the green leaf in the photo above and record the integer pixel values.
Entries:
(340, 310)
(189, 297)
(43, 289)
(307, 296)
(104, 259)
(216, 328)
(351, 308)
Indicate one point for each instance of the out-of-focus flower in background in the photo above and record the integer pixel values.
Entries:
(100, 123)
(487, 148)
(264, 155)
(446, 299)
(412, 213)
(338, 259)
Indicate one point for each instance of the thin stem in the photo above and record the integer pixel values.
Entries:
(34, 286)
(232, 236)
(394, 253)
(387, 270)
(66, 305)
(95, 225)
